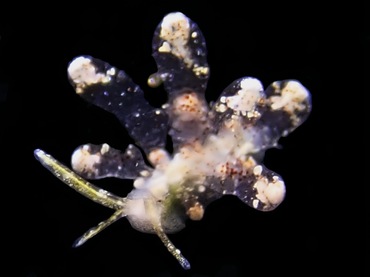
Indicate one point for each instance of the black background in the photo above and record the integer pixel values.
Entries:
(42, 218)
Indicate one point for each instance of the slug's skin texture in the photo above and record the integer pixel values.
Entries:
(217, 148)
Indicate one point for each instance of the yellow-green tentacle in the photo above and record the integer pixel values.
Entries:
(79, 184)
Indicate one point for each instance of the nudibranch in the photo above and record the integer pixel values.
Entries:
(218, 148)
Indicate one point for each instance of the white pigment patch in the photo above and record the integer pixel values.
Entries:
(83, 161)
(275, 192)
(201, 188)
(221, 108)
(257, 170)
(261, 185)
(165, 48)
(247, 97)
(139, 182)
(83, 73)
(144, 173)
(175, 31)
(291, 97)
(201, 70)
(270, 193)
(104, 149)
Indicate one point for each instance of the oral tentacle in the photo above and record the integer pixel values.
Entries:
(97, 229)
(80, 185)
(157, 226)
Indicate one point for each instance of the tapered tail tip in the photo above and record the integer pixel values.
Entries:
(38, 153)
(78, 242)
(186, 265)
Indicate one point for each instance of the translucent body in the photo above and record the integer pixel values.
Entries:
(217, 149)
